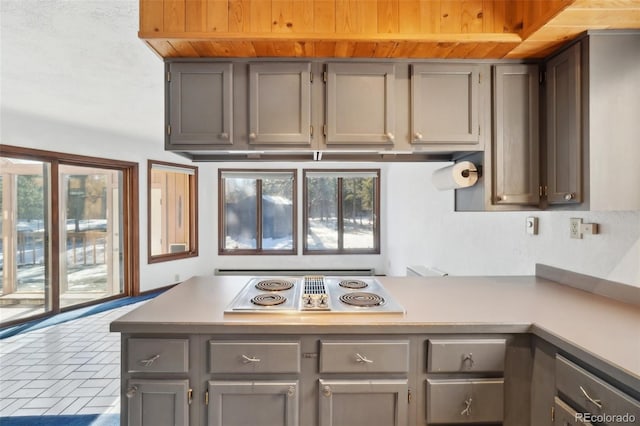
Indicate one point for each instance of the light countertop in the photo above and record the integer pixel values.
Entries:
(604, 330)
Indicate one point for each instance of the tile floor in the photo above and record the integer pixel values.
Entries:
(65, 369)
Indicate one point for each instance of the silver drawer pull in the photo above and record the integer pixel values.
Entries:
(147, 362)
(249, 359)
(468, 357)
(467, 408)
(131, 392)
(595, 402)
(326, 391)
(417, 136)
(361, 359)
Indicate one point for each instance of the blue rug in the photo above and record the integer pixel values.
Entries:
(75, 314)
(83, 420)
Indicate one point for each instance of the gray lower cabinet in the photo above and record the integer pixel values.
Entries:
(360, 104)
(460, 401)
(563, 123)
(255, 402)
(516, 166)
(445, 104)
(375, 402)
(280, 104)
(158, 402)
(595, 399)
(564, 415)
(465, 380)
(199, 106)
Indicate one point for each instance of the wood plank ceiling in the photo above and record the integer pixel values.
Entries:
(478, 29)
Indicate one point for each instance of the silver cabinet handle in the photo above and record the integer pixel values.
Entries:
(361, 359)
(147, 362)
(253, 136)
(249, 359)
(326, 391)
(467, 408)
(291, 391)
(468, 357)
(569, 196)
(389, 136)
(224, 136)
(595, 402)
(417, 136)
(132, 391)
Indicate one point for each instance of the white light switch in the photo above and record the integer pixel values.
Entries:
(532, 225)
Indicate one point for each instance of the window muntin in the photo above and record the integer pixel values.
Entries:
(172, 211)
(257, 210)
(342, 211)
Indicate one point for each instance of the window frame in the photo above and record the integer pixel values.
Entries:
(259, 234)
(339, 195)
(192, 249)
(130, 223)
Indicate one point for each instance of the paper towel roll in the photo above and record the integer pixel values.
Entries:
(459, 175)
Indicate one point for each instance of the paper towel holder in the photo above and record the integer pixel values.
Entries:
(478, 170)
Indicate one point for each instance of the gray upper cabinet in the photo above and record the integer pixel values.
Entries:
(280, 103)
(199, 105)
(564, 136)
(516, 142)
(360, 100)
(445, 104)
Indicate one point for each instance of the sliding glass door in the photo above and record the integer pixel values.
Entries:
(90, 234)
(25, 283)
(66, 232)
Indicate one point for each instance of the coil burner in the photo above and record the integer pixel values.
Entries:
(268, 299)
(274, 285)
(362, 299)
(353, 284)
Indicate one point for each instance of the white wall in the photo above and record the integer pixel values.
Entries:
(79, 81)
(496, 243)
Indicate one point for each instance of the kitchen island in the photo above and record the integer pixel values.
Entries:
(532, 322)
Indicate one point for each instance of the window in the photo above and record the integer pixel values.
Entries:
(172, 210)
(341, 211)
(68, 237)
(257, 211)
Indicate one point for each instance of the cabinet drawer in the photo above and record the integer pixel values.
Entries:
(592, 394)
(564, 415)
(468, 355)
(158, 355)
(254, 357)
(364, 357)
(465, 401)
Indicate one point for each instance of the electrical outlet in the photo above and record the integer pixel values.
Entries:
(532, 225)
(575, 223)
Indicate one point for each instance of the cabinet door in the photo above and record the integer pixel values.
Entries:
(363, 402)
(516, 169)
(158, 402)
(444, 104)
(242, 403)
(199, 105)
(280, 103)
(564, 136)
(360, 104)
